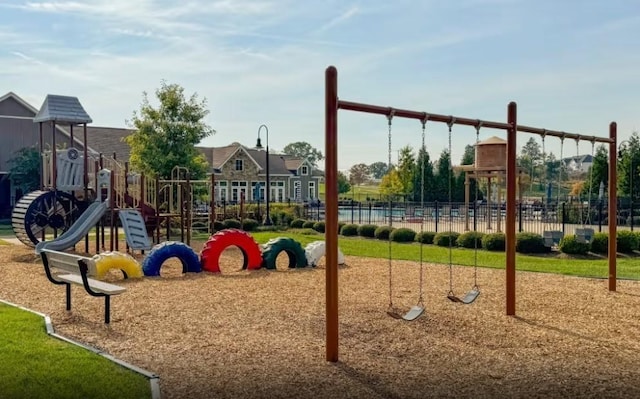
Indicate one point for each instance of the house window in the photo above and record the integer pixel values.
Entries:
(297, 192)
(258, 194)
(305, 170)
(221, 191)
(239, 164)
(312, 190)
(277, 191)
(237, 189)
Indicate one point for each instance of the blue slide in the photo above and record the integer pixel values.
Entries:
(77, 231)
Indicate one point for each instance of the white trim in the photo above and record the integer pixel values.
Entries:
(26, 118)
(240, 147)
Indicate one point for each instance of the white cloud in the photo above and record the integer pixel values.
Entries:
(350, 12)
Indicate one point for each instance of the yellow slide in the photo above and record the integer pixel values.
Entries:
(117, 260)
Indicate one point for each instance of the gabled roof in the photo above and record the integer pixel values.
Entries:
(587, 158)
(34, 110)
(108, 140)
(63, 109)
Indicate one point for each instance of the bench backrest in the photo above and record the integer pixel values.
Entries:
(68, 262)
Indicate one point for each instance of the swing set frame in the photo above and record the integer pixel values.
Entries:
(333, 104)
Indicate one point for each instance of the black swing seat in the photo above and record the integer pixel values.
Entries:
(469, 298)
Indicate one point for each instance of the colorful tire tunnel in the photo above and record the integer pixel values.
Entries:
(254, 257)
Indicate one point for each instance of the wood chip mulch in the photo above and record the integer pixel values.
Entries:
(260, 334)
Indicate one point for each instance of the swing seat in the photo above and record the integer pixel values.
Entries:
(469, 298)
(413, 313)
(584, 235)
(552, 237)
(394, 313)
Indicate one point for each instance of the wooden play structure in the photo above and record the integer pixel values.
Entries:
(507, 161)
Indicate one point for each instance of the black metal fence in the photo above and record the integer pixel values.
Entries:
(484, 217)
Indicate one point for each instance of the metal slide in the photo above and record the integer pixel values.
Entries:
(78, 230)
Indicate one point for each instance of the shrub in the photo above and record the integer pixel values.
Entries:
(494, 242)
(367, 230)
(470, 239)
(308, 232)
(446, 238)
(340, 226)
(426, 237)
(308, 224)
(297, 223)
(283, 218)
(600, 243)
(627, 241)
(383, 232)
(250, 224)
(218, 225)
(319, 227)
(530, 243)
(570, 245)
(231, 224)
(403, 235)
(349, 230)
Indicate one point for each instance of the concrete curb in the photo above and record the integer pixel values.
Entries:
(154, 379)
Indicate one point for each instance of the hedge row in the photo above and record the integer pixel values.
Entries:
(626, 242)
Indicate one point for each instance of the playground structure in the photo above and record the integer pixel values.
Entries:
(333, 104)
(81, 192)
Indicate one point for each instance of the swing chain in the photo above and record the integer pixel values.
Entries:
(452, 120)
(423, 148)
(389, 119)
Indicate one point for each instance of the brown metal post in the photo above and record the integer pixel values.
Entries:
(510, 228)
(112, 216)
(466, 201)
(488, 211)
(157, 209)
(54, 157)
(331, 212)
(613, 205)
(189, 205)
(71, 135)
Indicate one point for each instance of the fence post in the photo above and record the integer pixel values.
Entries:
(520, 217)
(359, 212)
(370, 205)
(475, 215)
(437, 215)
(600, 216)
(631, 211)
(351, 210)
(564, 217)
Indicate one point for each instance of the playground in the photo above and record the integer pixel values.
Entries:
(261, 333)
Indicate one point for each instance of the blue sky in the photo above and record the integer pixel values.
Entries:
(571, 65)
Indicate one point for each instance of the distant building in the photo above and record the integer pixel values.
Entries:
(578, 164)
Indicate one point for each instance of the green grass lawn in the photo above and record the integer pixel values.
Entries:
(359, 193)
(34, 365)
(6, 230)
(548, 263)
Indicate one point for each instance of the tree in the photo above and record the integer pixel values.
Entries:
(599, 172)
(25, 169)
(343, 183)
(358, 174)
(302, 149)
(406, 169)
(378, 169)
(423, 163)
(443, 178)
(629, 167)
(166, 136)
(469, 156)
(529, 159)
(391, 185)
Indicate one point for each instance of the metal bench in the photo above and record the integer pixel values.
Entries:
(80, 270)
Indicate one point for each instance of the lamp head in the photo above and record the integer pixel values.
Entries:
(259, 144)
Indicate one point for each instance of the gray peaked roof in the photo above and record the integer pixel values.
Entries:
(63, 109)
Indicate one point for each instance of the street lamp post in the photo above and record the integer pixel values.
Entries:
(267, 218)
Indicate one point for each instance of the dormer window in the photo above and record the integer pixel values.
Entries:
(239, 165)
(304, 170)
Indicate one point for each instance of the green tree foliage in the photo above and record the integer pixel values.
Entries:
(166, 136)
(378, 169)
(629, 167)
(530, 159)
(302, 149)
(444, 177)
(343, 183)
(406, 169)
(25, 169)
(423, 161)
(358, 174)
(599, 172)
(391, 184)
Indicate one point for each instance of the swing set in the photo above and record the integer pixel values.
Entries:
(333, 104)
